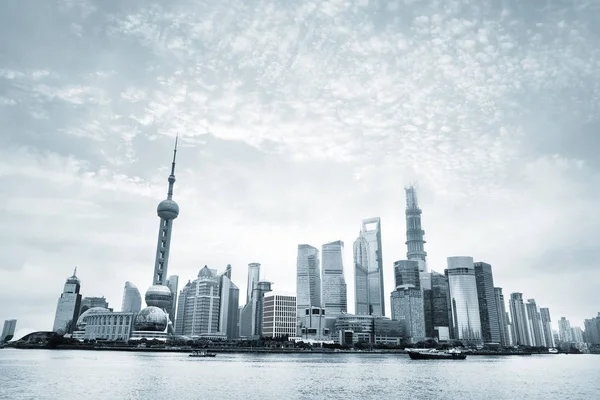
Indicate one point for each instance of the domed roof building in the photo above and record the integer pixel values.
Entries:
(151, 319)
(82, 320)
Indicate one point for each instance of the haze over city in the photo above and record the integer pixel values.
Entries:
(295, 123)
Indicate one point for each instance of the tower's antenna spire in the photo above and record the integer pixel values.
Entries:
(75, 271)
(172, 176)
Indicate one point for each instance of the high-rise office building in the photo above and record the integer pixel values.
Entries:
(159, 298)
(565, 333)
(8, 330)
(437, 309)
(279, 316)
(198, 309)
(546, 327)
(253, 278)
(488, 312)
(308, 278)
(414, 233)
(91, 302)
(520, 327)
(464, 303)
(534, 322)
(577, 334)
(132, 299)
(67, 309)
(230, 299)
(406, 272)
(333, 291)
(251, 314)
(407, 307)
(502, 320)
(368, 270)
(173, 285)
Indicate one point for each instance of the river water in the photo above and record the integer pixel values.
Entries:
(46, 374)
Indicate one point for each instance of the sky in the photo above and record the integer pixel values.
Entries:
(297, 120)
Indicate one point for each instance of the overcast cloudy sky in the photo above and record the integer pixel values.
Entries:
(297, 119)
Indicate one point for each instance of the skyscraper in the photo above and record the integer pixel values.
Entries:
(253, 277)
(565, 333)
(488, 311)
(8, 330)
(230, 300)
(536, 334)
(132, 299)
(414, 232)
(502, 320)
(172, 284)
(308, 278)
(437, 309)
(592, 330)
(199, 302)
(279, 317)
(464, 303)
(407, 307)
(546, 327)
(158, 296)
(368, 270)
(333, 293)
(407, 273)
(520, 327)
(67, 309)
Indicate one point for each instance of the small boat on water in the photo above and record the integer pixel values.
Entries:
(433, 354)
(552, 351)
(198, 353)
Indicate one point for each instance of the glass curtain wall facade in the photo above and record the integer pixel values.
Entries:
(520, 327)
(535, 324)
(547, 327)
(488, 312)
(406, 272)
(333, 293)
(502, 322)
(132, 299)
(464, 303)
(308, 278)
(368, 269)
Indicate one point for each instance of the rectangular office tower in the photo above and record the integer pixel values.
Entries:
(333, 284)
(407, 307)
(488, 311)
(198, 308)
(279, 316)
(437, 309)
(520, 327)
(502, 317)
(368, 270)
(546, 327)
(534, 322)
(466, 322)
(230, 302)
(308, 278)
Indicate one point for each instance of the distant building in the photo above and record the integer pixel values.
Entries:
(313, 325)
(414, 233)
(308, 278)
(230, 300)
(8, 330)
(132, 299)
(520, 326)
(253, 278)
(488, 311)
(368, 270)
(387, 331)
(546, 327)
(199, 302)
(333, 292)
(361, 326)
(407, 307)
(91, 302)
(464, 302)
(436, 308)
(251, 314)
(592, 330)
(172, 284)
(502, 319)
(67, 309)
(534, 322)
(577, 334)
(279, 316)
(565, 333)
(406, 272)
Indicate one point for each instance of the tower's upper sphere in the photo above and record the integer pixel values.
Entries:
(151, 319)
(167, 209)
(159, 296)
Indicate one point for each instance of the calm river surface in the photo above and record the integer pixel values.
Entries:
(44, 374)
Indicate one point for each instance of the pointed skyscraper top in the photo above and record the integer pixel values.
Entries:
(75, 271)
(174, 155)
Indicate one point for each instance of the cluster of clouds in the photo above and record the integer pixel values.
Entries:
(297, 119)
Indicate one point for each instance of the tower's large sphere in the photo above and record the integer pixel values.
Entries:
(159, 296)
(167, 209)
(151, 319)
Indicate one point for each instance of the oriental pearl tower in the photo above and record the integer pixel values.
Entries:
(158, 296)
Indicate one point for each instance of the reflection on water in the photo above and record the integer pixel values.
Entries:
(43, 374)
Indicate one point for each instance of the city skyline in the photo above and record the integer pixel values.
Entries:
(297, 149)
